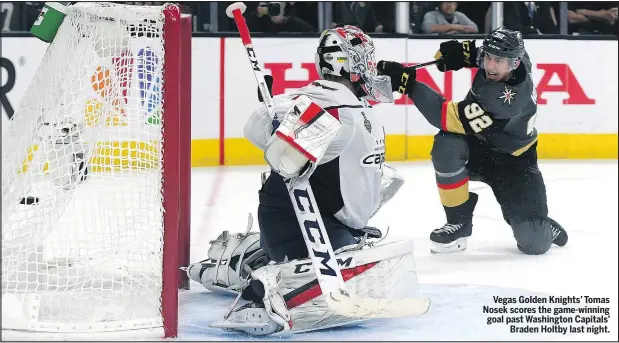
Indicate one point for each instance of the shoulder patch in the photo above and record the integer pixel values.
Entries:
(366, 122)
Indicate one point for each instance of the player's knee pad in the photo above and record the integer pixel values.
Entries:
(533, 236)
(521, 210)
(449, 152)
(293, 301)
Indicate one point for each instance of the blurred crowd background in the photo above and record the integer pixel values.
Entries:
(380, 18)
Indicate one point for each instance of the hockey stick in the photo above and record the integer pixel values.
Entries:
(328, 273)
(422, 65)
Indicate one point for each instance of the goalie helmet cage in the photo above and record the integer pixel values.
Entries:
(100, 146)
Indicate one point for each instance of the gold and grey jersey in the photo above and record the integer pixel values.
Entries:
(501, 113)
(347, 181)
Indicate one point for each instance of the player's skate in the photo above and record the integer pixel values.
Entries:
(451, 237)
(559, 235)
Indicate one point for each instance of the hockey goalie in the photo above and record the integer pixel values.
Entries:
(270, 270)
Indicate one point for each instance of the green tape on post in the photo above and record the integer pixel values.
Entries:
(48, 22)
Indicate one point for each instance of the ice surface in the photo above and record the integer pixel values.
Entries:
(582, 196)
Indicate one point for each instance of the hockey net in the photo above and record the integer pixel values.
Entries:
(94, 163)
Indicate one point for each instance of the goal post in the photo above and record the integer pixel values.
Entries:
(96, 176)
(185, 150)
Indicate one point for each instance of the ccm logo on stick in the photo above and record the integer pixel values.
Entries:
(252, 58)
(311, 225)
(306, 267)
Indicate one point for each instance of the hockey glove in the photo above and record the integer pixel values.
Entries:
(454, 55)
(402, 78)
(269, 80)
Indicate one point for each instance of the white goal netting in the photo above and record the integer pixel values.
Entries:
(82, 203)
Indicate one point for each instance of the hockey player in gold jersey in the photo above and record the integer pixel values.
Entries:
(489, 136)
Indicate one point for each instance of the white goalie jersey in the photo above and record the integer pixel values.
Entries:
(350, 171)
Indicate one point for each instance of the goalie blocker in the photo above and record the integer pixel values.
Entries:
(301, 139)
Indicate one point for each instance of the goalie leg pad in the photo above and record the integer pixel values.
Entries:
(231, 257)
(382, 272)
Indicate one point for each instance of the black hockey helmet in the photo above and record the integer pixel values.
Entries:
(503, 43)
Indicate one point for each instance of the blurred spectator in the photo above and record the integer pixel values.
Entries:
(143, 3)
(307, 11)
(269, 17)
(385, 14)
(418, 10)
(225, 23)
(530, 17)
(357, 13)
(447, 20)
(201, 15)
(593, 17)
(476, 11)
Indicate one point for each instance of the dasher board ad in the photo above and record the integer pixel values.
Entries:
(576, 116)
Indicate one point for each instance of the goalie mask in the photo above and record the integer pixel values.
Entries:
(349, 53)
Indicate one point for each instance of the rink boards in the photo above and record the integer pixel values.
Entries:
(577, 93)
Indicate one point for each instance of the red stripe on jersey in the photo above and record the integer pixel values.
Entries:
(453, 185)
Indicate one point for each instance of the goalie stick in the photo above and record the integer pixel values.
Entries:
(319, 247)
